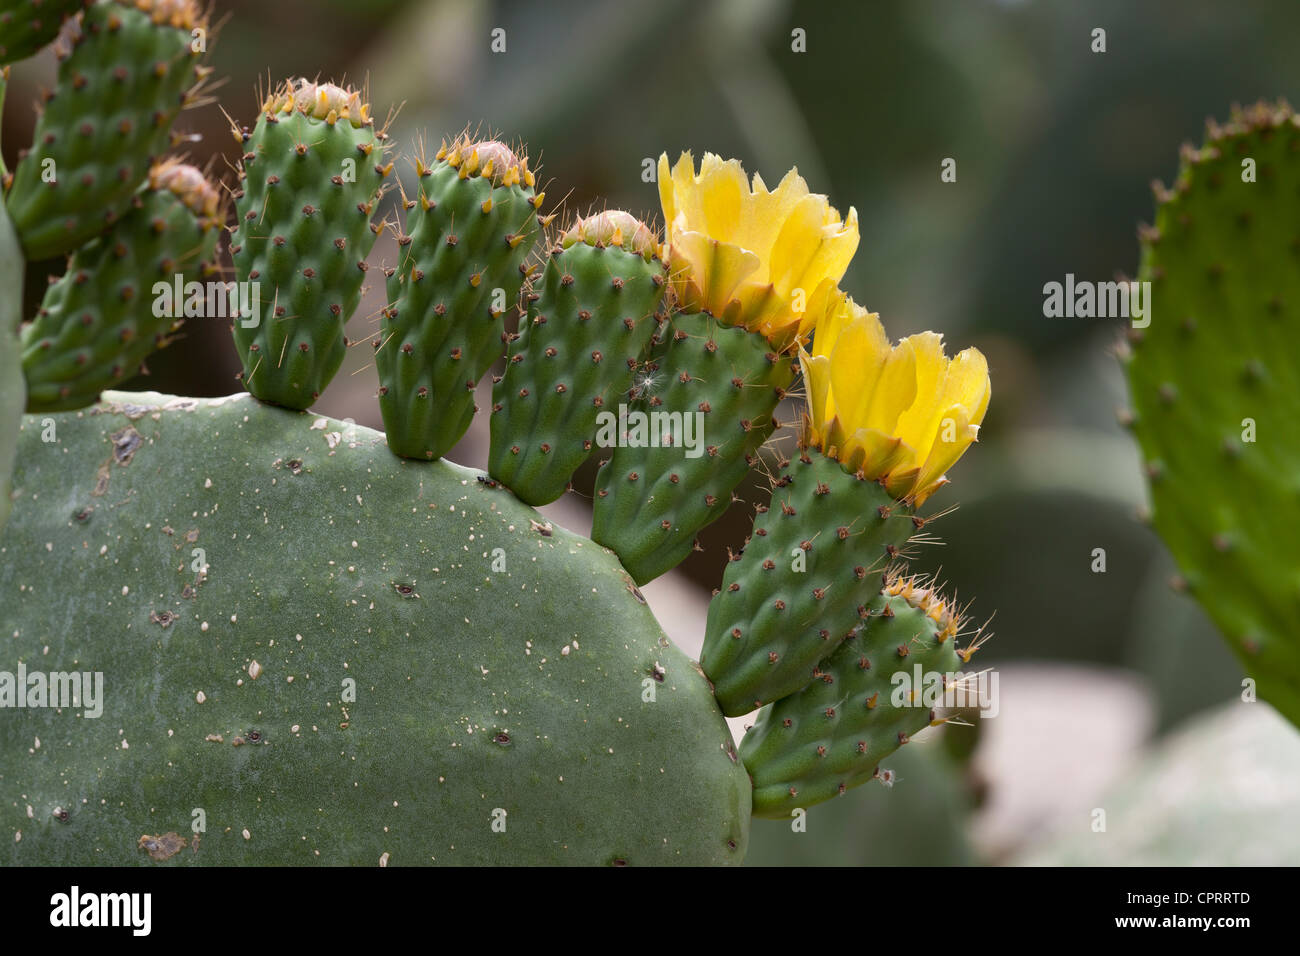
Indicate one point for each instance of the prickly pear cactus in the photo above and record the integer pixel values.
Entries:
(832, 735)
(469, 233)
(797, 592)
(753, 270)
(128, 68)
(1215, 384)
(374, 692)
(312, 173)
(92, 331)
(246, 634)
(595, 309)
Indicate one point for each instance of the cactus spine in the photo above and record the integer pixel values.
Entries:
(96, 326)
(127, 71)
(589, 321)
(469, 232)
(312, 173)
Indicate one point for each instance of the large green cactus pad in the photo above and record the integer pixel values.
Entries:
(1216, 387)
(541, 686)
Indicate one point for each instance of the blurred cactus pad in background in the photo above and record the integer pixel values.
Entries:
(641, 568)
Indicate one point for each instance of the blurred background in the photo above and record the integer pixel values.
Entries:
(1115, 693)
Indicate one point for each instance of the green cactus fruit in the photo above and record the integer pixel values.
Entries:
(462, 267)
(125, 73)
(796, 591)
(573, 361)
(875, 692)
(1215, 384)
(13, 390)
(311, 176)
(334, 655)
(28, 25)
(654, 496)
(118, 302)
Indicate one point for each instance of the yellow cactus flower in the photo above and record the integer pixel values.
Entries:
(749, 256)
(903, 414)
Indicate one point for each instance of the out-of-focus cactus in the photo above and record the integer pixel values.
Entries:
(13, 390)
(28, 25)
(1215, 381)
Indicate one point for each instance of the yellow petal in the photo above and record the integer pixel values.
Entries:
(817, 383)
(894, 391)
(857, 357)
(920, 423)
(796, 244)
(706, 272)
(956, 433)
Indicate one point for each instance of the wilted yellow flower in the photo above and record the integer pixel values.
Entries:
(904, 413)
(749, 256)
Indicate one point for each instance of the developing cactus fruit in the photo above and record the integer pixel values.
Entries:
(126, 71)
(100, 321)
(590, 319)
(884, 424)
(1216, 396)
(28, 25)
(864, 703)
(312, 174)
(752, 271)
(469, 233)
